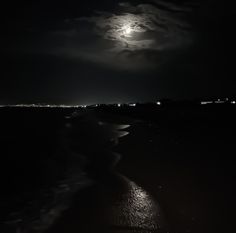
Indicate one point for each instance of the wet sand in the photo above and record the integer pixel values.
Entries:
(113, 204)
(176, 172)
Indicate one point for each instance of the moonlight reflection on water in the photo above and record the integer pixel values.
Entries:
(135, 208)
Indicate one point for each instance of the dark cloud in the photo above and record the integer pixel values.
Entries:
(176, 7)
(138, 28)
(104, 51)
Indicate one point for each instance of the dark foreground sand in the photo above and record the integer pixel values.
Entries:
(175, 173)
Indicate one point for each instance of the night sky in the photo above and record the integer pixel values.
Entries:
(87, 52)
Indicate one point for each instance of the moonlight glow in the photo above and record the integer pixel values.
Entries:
(135, 37)
(127, 31)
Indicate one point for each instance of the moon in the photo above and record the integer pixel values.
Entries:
(128, 30)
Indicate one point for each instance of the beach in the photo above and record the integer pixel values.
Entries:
(141, 169)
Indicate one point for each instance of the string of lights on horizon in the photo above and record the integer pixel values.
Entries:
(158, 103)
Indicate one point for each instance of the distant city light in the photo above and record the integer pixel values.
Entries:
(132, 105)
(219, 101)
(233, 102)
(119, 105)
(158, 103)
(206, 102)
(40, 106)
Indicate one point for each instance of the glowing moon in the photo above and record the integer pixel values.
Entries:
(128, 30)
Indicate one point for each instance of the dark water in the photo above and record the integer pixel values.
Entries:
(113, 204)
(173, 172)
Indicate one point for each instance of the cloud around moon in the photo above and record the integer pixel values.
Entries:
(123, 37)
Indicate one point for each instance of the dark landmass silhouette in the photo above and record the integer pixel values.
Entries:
(151, 167)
